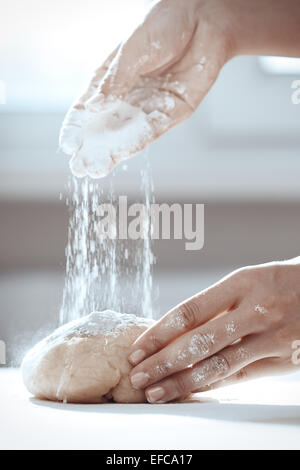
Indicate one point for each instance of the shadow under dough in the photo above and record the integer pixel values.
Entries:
(205, 408)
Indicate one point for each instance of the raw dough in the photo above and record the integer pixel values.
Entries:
(85, 361)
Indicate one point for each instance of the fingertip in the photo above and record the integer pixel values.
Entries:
(77, 167)
(71, 132)
(136, 357)
(70, 139)
(139, 380)
(120, 76)
(156, 394)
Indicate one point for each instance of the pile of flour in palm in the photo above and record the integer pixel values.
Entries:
(101, 136)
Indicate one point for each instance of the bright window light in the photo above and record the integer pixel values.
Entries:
(280, 65)
(48, 50)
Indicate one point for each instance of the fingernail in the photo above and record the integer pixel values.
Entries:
(154, 394)
(139, 380)
(137, 356)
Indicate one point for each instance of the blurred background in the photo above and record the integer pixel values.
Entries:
(239, 155)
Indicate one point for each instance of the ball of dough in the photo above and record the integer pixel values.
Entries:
(85, 361)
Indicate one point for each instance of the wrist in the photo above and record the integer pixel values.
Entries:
(260, 27)
(221, 17)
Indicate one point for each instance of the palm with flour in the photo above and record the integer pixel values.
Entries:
(165, 68)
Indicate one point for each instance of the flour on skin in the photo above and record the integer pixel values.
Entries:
(212, 368)
(106, 131)
(260, 309)
(111, 134)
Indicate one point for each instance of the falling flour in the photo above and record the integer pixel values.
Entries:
(104, 273)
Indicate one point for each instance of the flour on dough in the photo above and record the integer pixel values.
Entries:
(85, 361)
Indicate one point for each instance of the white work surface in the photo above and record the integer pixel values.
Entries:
(263, 414)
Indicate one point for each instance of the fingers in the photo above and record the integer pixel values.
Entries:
(186, 316)
(123, 71)
(256, 370)
(151, 48)
(192, 347)
(71, 133)
(129, 64)
(97, 77)
(228, 362)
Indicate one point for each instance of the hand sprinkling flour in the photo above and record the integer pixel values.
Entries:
(151, 82)
(110, 135)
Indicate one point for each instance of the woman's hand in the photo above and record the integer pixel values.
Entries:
(245, 326)
(165, 68)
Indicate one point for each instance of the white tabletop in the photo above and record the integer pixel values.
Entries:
(263, 414)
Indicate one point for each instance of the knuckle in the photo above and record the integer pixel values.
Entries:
(211, 369)
(238, 281)
(156, 342)
(201, 344)
(221, 365)
(242, 275)
(163, 369)
(188, 313)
